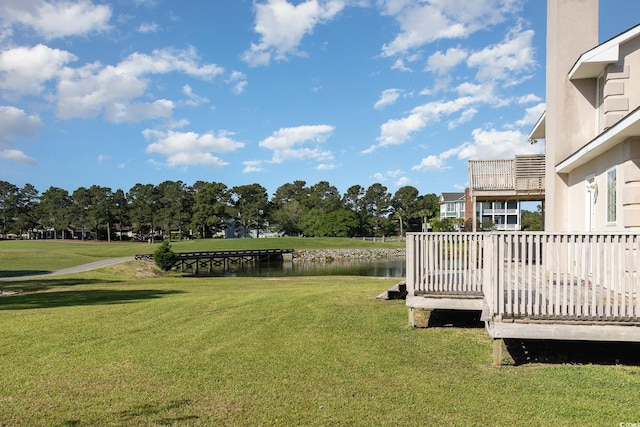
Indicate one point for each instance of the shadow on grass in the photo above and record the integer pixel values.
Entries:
(67, 298)
(37, 285)
(573, 352)
(21, 273)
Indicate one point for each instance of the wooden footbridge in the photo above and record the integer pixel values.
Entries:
(206, 261)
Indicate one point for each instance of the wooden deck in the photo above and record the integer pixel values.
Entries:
(531, 285)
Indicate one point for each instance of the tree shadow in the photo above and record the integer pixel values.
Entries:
(44, 284)
(67, 298)
(573, 352)
(7, 274)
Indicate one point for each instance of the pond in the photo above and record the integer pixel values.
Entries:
(377, 268)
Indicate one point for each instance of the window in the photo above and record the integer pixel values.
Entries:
(451, 206)
(611, 195)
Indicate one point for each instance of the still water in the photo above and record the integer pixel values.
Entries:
(378, 268)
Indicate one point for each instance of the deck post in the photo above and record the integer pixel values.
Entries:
(498, 344)
(419, 317)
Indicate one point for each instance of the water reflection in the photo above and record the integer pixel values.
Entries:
(378, 268)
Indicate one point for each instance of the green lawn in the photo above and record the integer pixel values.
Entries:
(125, 346)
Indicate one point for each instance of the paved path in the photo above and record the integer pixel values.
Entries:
(76, 269)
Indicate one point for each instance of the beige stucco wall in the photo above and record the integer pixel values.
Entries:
(572, 29)
(578, 193)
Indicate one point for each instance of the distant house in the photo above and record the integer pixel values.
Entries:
(504, 214)
(452, 205)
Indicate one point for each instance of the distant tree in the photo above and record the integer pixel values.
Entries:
(144, 202)
(405, 205)
(287, 217)
(211, 207)
(443, 225)
(324, 196)
(532, 221)
(9, 196)
(353, 199)
(120, 209)
(487, 225)
(175, 206)
(81, 207)
(289, 192)
(101, 210)
(249, 203)
(428, 207)
(54, 210)
(312, 223)
(340, 223)
(289, 204)
(26, 218)
(377, 204)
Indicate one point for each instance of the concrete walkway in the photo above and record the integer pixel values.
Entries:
(77, 269)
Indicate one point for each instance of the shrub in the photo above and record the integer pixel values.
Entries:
(164, 257)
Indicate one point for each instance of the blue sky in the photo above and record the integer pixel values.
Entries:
(400, 92)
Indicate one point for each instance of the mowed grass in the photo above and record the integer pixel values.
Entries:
(124, 346)
(40, 256)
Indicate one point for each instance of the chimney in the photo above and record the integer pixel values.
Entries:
(572, 29)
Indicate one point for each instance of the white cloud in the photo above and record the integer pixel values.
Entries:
(194, 99)
(251, 166)
(14, 122)
(191, 149)
(148, 27)
(506, 60)
(429, 163)
(95, 89)
(282, 26)
(16, 156)
(532, 115)
(55, 19)
(424, 22)
(388, 97)
(238, 80)
(25, 70)
(398, 131)
(325, 166)
(491, 144)
(285, 143)
(529, 98)
(442, 63)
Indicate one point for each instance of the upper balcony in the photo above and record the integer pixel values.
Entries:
(521, 178)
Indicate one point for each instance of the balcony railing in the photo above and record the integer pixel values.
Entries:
(521, 174)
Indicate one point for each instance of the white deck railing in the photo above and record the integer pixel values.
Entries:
(446, 263)
(547, 276)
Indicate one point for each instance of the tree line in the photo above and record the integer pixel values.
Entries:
(175, 210)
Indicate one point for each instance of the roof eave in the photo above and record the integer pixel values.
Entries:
(624, 129)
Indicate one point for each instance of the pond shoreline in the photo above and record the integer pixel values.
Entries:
(329, 255)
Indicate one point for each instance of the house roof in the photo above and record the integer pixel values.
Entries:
(592, 62)
(627, 127)
(451, 197)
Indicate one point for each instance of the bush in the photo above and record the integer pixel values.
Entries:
(164, 257)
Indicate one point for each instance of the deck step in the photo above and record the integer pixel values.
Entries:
(397, 291)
